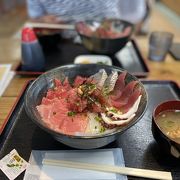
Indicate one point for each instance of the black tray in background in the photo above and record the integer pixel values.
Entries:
(139, 147)
(60, 52)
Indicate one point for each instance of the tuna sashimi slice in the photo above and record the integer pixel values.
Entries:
(50, 94)
(57, 83)
(47, 111)
(117, 103)
(75, 102)
(75, 124)
(127, 91)
(119, 86)
(120, 83)
(132, 99)
(78, 81)
(46, 101)
(56, 116)
(124, 96)
(66, 84)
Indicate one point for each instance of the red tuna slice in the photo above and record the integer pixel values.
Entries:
(120, 83)
(127, 91)
(46, 101)
(116, 95)
(96, 108)
(50, 94)
(132, 99)
(117, 104)
(57, 83)
(79, 105)
(78, 81)
(66, 84)
(59, 92)
(119, 86)
(75, 102)
(76, 124)
(125, 95)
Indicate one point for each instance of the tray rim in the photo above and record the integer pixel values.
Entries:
(137, 74)
(14, 105)
(144, 60)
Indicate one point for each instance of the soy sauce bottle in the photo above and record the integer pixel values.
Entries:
(32, 55)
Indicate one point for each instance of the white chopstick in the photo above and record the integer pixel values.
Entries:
(110, 168)
(50, 26)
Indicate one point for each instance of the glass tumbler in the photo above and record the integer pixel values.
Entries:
(159, 44)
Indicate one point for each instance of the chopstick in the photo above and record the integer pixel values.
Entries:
(50, 26)
(111, 169)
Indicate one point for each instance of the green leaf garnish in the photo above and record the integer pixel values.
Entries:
(102, 129)
(10, 165)
(71, 113)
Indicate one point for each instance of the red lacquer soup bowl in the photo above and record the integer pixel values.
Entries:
(166, 127)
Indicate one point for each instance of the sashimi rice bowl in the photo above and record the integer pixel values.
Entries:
(86, 105)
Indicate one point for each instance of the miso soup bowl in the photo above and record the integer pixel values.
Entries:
(168, 145)
(39, 87)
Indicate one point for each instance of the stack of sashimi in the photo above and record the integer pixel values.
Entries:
(90, 105)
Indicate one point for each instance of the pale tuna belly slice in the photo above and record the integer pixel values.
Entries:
(50, 113)
(56, 117)
(74, 125)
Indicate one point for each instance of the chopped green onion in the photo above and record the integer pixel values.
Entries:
(105, 91)
(113, 110)
(98, 119)
(102, 129)
(71, 113)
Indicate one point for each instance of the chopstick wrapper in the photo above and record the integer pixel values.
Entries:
(101, 156)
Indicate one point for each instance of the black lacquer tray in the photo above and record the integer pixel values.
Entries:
(60, 51)
(139, 147)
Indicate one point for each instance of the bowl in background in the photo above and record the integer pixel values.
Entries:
(39, 87)
(104, 44)
(166, 143)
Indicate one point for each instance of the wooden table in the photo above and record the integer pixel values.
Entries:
(169, 69)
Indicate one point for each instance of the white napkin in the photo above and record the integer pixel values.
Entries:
(101, 156)
(5, 76)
